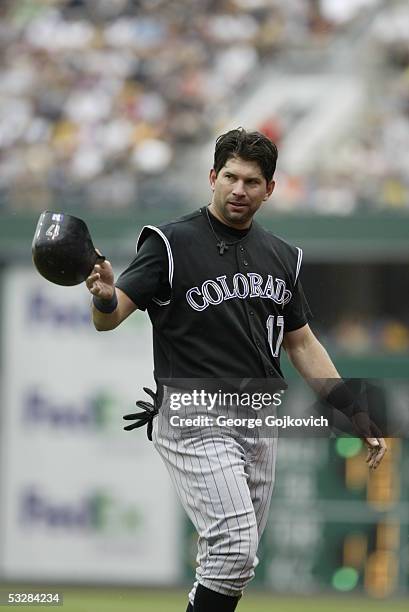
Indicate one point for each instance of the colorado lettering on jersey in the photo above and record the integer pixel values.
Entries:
(241, 286)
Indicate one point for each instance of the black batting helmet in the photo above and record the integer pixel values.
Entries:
(62, 249)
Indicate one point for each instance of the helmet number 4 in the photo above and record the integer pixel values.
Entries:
(53, 231)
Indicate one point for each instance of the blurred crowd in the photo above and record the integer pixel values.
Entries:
(98, 97)
(368, 168)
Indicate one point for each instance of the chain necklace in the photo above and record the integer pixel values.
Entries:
(221, 245)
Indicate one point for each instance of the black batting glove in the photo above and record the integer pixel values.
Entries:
(150, 410)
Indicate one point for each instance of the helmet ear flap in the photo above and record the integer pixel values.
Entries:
(62, 249)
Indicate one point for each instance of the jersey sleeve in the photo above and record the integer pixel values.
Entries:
(146, 278)
(297, 312)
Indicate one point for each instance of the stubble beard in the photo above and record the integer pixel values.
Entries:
(237, 218)
(234, 219)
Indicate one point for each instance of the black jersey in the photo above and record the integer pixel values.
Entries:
(216, 316)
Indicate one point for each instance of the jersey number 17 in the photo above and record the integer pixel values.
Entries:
(275, 331)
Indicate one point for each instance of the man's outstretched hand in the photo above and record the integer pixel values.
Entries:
(101, 280)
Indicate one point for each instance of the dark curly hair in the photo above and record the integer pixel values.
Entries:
(250, 146)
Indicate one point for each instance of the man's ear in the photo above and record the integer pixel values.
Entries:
(212, 178)
(270, 189)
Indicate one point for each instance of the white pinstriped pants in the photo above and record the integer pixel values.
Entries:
(224, 481)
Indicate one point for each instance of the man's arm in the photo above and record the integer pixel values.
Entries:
(314, 364)
(100, 284)
(310, 358)
(146, 276)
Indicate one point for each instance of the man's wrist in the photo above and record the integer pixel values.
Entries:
(106, 306)
(343, 399)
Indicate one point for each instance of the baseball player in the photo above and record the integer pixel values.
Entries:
(224, 296)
